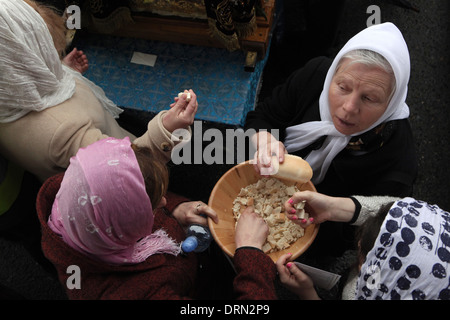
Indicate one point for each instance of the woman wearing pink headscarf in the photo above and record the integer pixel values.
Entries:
(110, 216)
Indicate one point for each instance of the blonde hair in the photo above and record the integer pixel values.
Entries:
(55, 24)
(155, 173)
(372, 59)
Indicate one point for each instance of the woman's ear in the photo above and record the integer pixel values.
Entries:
(162, 203)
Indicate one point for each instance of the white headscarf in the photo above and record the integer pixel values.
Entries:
(410, 258)
(384, 39)
(32, 77)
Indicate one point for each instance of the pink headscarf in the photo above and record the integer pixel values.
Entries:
(102, 208)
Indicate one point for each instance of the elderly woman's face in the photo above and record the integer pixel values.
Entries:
(358, 96)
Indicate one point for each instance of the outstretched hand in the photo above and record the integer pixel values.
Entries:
(76, 60)
(320, 208)
(267, 148)
(251, 230)
(182, 112)
(294, 279)
(194, 212)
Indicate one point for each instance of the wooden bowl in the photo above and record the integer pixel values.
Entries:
(221, 200)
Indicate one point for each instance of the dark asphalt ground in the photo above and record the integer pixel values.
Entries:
(427, 34)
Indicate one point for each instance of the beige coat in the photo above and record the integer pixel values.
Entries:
(43, 142)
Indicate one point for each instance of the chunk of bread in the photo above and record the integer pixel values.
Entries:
(188, 95)
(293, 168)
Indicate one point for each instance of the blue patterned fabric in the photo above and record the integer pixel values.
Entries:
(224, 90)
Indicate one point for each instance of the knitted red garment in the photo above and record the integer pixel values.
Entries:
(256, 275)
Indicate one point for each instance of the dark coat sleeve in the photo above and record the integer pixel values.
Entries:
(256, 275)
(173, 200)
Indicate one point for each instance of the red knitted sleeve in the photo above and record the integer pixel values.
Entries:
(173, 200)
(256, 275)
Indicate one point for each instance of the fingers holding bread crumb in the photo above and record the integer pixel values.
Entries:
(188, 95)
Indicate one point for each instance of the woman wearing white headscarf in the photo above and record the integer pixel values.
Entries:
(346, 117)
(47, 110)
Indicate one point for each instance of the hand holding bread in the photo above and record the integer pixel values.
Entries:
(293, 168)
(320, 208)
(182, 112)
